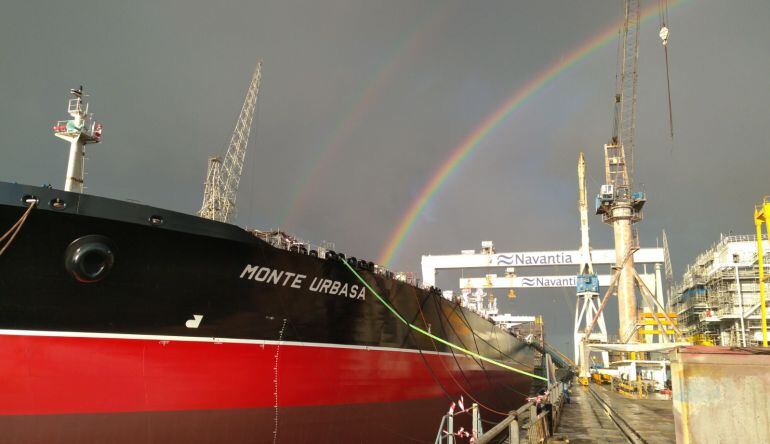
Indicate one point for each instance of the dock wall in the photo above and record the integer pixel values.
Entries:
(721, 394)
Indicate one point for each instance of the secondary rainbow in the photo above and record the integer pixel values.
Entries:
(408, 50)
(473, 139)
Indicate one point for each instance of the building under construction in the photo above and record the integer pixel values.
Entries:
(717, 301)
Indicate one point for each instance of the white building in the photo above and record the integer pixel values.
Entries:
(718, 299)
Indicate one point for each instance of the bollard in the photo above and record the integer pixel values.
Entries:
(513, 431)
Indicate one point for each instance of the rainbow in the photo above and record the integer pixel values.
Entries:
(408, 49)
(473, 140)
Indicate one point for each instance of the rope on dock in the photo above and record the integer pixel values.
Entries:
(434, 337)
(449, 372)
(15, 228)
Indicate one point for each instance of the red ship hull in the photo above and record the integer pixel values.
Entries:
(126, 388)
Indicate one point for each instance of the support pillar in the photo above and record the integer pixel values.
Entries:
(626, 293)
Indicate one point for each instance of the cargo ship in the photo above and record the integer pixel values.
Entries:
(126, 323)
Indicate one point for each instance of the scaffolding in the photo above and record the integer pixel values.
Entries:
(717, 301)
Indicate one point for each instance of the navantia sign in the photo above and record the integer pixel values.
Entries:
(531, 259)
(432, 263)
(539, 281)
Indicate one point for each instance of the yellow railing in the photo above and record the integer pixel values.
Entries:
(761, 216)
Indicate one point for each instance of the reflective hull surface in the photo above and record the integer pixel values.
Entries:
(201, 332)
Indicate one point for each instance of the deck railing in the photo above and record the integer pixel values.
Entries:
(535, 420)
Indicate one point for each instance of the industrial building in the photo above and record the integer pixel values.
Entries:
(717, 301)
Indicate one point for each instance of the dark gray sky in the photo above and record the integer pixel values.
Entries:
(361, 101)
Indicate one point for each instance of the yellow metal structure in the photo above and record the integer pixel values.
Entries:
(647, 321)
(700, 339)
(636, 389)
(761, 216)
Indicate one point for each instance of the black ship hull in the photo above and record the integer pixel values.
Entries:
(121, 322)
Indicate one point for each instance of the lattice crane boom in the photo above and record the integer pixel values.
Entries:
(619, 172)
(224, 173)
(628, 83)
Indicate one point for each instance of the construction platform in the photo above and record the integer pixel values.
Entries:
(596, 414)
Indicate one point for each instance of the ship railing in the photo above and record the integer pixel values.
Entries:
(75, 106)
(285, 241)
(535, 421)
(63, 127)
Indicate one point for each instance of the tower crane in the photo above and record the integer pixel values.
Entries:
(617, 203)
(224, 173)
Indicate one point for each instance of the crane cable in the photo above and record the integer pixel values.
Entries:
(434, 337)
(664, 32)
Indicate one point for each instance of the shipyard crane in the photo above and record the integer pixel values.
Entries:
(618, 204)
(587, 306)
(224, 173)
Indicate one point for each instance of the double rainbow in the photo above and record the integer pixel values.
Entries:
(473, 140)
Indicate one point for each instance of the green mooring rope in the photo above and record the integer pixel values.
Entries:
(436, 338)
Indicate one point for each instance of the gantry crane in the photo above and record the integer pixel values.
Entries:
(618, 204)
(224, 173)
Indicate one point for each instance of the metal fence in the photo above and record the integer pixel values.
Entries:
(535, 421)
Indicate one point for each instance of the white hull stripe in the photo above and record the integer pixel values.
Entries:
(164, 338)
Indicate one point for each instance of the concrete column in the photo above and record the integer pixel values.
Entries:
(626, 293)
(659, 288)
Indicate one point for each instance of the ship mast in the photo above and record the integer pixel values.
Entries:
(224, 173)
(79, 131)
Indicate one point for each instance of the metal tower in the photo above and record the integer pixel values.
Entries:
(79, 131)
(669, 272)
(617, 203)
(224, 173)
(587, 306)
